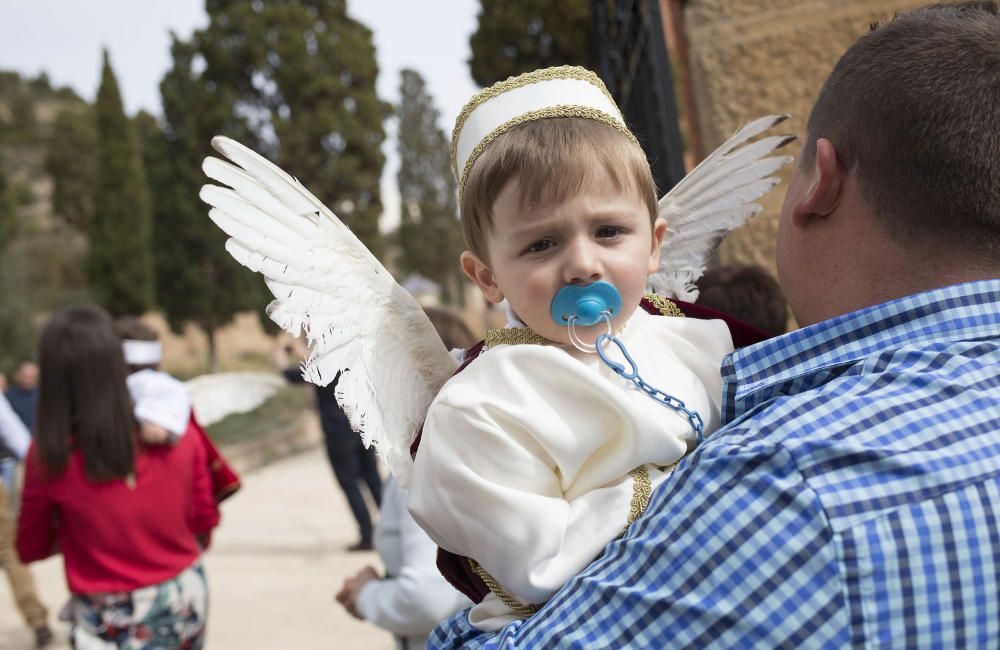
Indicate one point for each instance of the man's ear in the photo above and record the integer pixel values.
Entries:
(477, 271)
(659, 231)
(826, 180)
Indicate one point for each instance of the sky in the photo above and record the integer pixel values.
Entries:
(63, 38)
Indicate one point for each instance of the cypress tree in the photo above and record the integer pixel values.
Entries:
(196, 279)
(70, 162)
(119, 262)
(517, 36)
(429, 232)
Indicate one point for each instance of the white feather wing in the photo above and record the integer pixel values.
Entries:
(357, 320)
(717, 197)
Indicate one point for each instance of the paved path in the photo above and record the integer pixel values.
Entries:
(274, 566)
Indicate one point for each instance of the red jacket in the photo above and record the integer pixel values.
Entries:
(113, 536)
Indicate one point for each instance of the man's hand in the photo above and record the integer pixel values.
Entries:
(348, 594)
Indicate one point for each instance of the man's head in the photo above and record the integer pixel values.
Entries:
(906, 132)
(555, 195)
(26, 375)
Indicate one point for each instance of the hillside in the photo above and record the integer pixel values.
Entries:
(42, 266)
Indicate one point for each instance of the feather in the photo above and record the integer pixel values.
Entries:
(715, 198)
(357, 321)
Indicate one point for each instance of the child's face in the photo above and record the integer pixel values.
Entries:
(601, 233)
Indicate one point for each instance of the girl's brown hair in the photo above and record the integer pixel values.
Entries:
(83, 401)
(551, 158)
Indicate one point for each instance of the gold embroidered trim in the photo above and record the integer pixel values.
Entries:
(666, 307)
(510, 83)
(562, 110)
(642, 491)
(514, 336)
(518, 608)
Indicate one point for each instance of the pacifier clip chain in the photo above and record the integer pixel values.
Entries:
(586, 305)
(632, 374)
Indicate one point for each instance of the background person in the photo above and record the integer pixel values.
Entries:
(14, 436)
(412, 597)
(851, 496)
(162, 405)
(125, 516)
(352, 464)
(23, 398)
(749, 293)
(23, 393)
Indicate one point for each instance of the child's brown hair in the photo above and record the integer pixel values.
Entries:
(552, 159)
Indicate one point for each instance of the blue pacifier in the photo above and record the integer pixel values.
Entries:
(575, 305)
(585, 305)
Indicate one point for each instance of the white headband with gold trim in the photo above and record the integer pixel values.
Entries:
(141, 353)
(565, 91)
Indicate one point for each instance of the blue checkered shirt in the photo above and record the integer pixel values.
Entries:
(851, 500)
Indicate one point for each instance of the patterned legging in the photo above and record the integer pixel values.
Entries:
(171, 614)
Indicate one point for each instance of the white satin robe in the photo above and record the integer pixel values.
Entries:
(525, 456)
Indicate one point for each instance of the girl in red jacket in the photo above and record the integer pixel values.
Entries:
(125, 516)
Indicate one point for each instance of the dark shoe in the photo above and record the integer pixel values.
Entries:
(43, 636)
(363, 545)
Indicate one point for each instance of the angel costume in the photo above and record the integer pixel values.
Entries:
(535, 456)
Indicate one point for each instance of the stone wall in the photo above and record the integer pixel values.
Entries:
(754, 57)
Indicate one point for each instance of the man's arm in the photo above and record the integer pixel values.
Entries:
(734, 551)
(13, 434)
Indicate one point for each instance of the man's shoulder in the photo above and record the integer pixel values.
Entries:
(886, 431)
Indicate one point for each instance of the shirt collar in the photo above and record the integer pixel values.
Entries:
(809, 356)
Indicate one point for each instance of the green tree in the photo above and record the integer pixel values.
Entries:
(429, 233)
(71, 164)
(8, 213)
(303, 73)
(119, 262)
(517, 36)
(17, 335)
(196, 279)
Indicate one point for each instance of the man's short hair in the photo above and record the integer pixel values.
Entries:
(913, 110)
(748, 293)
(552, 159)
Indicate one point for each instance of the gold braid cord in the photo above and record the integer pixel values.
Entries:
(514, 336)
(642, 490)
(507, 599)
(510, 83)
(666, 307)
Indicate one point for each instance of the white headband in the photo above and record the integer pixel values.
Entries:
(141, 353)
(565, 91)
